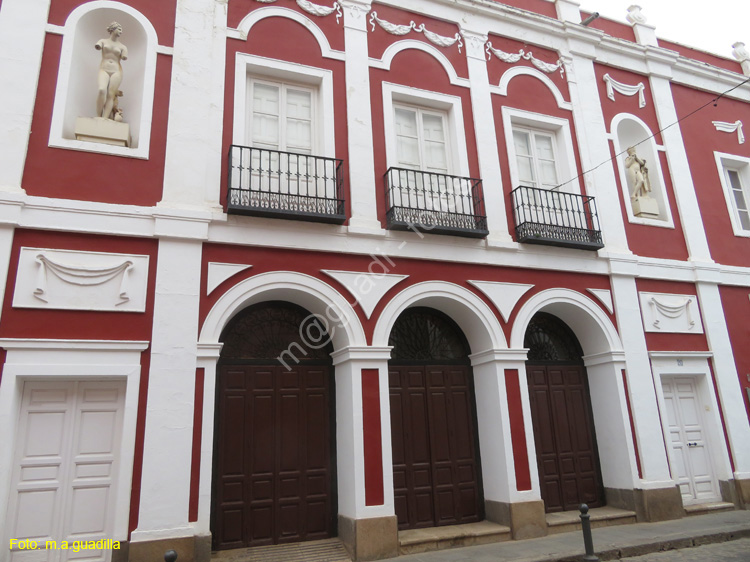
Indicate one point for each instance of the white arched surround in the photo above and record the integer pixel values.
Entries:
(75, 95)
(627, 130)
(260, 14)
(604, 359)
(334, 312)
(405, 44)
(511, 73)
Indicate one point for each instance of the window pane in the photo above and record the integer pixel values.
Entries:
(298, 136)
(522, 143)
(544, 149)
(407, 143)
(406, 122)
(266, 99)
(734, 179)
(745, 220)
(548, 172)
(433, 127)
(526, 171)
(299, 104)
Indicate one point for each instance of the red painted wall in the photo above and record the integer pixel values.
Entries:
(701, 56)
(611, 27)
(273, 259)
(656, 341)
(542, 7)
(87, 176)
(701, 140)
(286, 40)
(643, 240)
(736, 306)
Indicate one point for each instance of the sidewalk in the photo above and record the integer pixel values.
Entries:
(610, 543)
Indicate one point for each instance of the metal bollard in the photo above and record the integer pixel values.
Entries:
(170, 556)
(588, 540)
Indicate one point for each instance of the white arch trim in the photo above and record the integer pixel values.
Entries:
(395, 48)
(306, 291)
(255, 16)
(592, 327)
(620, 117)
(83, 9)
(473, 316)
(511, 73)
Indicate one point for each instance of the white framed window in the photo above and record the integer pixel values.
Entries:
(281, 116)
(535, 158)
(421, 141)
(734, 173)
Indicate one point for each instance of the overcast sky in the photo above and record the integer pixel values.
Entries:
(707, 25)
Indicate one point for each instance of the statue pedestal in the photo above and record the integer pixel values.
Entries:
(645, 207)
(98, 129)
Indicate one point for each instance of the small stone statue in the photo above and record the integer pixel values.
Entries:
(637, 173)
(634, 15)
(110, 73)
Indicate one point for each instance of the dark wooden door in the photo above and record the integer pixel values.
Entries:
(273, 456)
(435, 460)
(564, 435)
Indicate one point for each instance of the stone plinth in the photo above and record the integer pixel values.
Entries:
(98, 129)
(646, 207)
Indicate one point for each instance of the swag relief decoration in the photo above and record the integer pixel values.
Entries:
(80, 275)
(670, 313)
(76, 280)
(725, 127)
(625, 89)
(513, 58)
(314, 9)
(434, 38)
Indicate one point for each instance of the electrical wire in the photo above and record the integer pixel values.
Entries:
(713, 101)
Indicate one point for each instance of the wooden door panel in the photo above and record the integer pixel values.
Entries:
(273, 467)
(563, 433)
(433, 435)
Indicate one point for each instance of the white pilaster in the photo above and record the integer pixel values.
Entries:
(350, 451)
(361, 163)
(594, 144)
(192, 168)
(679, 167)
(645, 34)
(725, 374)
(643, 400)
(493, 420)
(22, 33)
(486, 135)
(165, 484)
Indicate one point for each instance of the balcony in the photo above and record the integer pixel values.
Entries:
(434, 203)
(554, 218)
(272, 183)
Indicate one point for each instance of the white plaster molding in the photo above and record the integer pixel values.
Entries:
(605, 297)
(314, 9)
(726, 127)
(508, 75)
(471, 313)
(434, 38)
(75, 280)
(255, 16)
(318, 297)
(741, 165)
(220, 272)
(592, 327)
(504, 296)
(689, 355)
(625, 89)
(366, 288)
(635, 15)
(499, 355)
(606, 357)
(361, 354)
(395, 48)
(670, 313)
(66, 109)
(70, 345)
(512, 58)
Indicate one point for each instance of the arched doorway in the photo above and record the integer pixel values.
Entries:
(566, 451)
(274, 450)
(436, 466)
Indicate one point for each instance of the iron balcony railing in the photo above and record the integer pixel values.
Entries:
(556, 219)
(435, 203)
(273, 183)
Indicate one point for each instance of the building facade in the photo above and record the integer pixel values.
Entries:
(279, 271)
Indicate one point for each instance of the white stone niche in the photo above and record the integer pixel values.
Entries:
(628, 130)
(76, 91)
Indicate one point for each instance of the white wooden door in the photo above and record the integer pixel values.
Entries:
(65, 468)
(691, 458)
